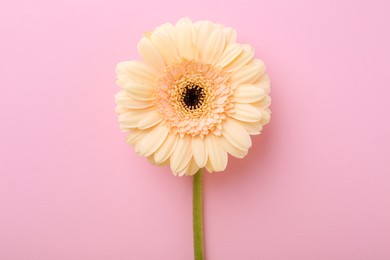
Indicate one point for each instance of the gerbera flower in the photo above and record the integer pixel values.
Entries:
(196, 97)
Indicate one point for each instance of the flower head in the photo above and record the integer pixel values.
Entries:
(196, 97)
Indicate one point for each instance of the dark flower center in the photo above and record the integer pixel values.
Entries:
(193, 96)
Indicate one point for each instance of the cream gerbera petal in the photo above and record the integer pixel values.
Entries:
(231, 149)
(266, 116)
(246, 112)
(230, 35)
(203, 30)
(153, 140)
(192, 168)
(134, 136)
(182, 154)
(140, 91)
(170, 29)
(153, 161)
(135, 71)
(150, 54)
(199, 151)
(209, 167)
(264, 83)
(253, 128)
(213, 47)
(166, 149)
(217, 155)
(249, 73)
(185, 40)
(130, 118)
(125, 100)
(196, 97)
(165, 45)
(248, 94)
(236, 134)
(265, 102)
(230, 53)
(149, 120)
(245, 56)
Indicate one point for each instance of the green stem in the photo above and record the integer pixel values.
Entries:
(197, 215)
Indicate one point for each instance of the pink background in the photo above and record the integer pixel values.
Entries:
(315, 185)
